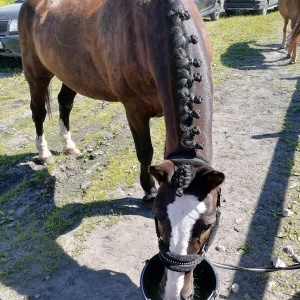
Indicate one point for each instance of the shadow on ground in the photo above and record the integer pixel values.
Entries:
(266, 220)
(249, 56)
(31, 260)
(10, 64)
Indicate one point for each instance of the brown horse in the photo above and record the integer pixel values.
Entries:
(154, 56)
(294, 39)
(290, 10)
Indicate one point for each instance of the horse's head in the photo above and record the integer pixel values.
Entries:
(186, 209)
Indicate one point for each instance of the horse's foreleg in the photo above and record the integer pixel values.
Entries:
(66, 99)
(286, 21)
(140, 130)
(39, 98)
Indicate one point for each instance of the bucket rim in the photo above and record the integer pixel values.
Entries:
(213, 296)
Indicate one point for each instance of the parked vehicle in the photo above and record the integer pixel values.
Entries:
(210, 8)
(9, 38)
(259, 6)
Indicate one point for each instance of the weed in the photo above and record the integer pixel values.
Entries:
(6, 218)
(246, 248)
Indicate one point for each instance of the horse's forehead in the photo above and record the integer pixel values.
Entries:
(186, 205)
(183, 214)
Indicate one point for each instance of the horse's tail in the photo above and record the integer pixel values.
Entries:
(48, 102)
(294, 36)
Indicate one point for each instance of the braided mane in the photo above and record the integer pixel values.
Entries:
(182, 75)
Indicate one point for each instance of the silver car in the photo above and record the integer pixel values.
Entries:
(260, 6)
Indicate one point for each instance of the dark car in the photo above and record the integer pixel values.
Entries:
(210, 8)
(259, 6)
(9, 38)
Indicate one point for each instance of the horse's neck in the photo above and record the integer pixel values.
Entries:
(187, 103)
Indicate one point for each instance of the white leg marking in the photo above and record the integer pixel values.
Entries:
(65, 136)
(183, 213)
(42, 146)
(174, 285)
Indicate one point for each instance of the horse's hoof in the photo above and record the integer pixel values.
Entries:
(47, 160)
(288, 56)
(292, 61)
(148, 199)
(72, 151)
(281, 47)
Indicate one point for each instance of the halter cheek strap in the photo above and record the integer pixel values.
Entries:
(215, 227)
(186, 263)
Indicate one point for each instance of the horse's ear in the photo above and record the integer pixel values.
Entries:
(213, 179)
(163, 172)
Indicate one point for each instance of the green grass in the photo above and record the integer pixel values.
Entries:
(6, 2)
(114, 175)
(236, 39)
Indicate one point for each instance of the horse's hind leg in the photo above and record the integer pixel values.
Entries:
(65, 99)
(293, 47)
(39, 99)
(140, 130)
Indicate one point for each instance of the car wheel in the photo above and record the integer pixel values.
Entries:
(264, 10)
(216, 14)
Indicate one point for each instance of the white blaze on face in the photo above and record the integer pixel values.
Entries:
(183, 214)
(65, 136)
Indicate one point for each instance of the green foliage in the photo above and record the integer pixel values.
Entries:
(6, 2)
(6, 217)
(236, 39)
(56, 223)
(246, 248)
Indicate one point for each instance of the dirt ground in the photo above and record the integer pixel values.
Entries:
(102, 254)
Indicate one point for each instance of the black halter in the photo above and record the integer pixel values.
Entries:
(186, 263)
(182, 156)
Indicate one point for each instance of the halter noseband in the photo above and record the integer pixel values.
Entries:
(186, 263)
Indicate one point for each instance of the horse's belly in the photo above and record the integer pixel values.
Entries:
(79, 74)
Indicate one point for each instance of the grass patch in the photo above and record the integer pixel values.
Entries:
(115, 175)
(237, 39)
(246, 248)
(6, 2)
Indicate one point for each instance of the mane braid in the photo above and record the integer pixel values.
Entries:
(182, 177)
(182, 75)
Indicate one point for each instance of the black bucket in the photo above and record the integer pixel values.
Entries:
(206, 281)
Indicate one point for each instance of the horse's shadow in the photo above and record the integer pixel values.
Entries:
(265, 223)
(249, 55)
(32, 261)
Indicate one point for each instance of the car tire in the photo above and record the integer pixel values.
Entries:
(216, 14)
(264, 10)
